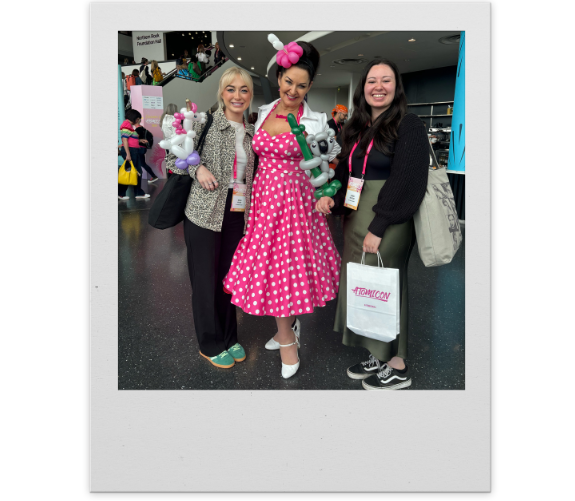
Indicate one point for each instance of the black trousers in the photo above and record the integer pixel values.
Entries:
(143, 163)
(210, 255)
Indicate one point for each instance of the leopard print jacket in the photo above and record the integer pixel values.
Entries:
(206, 208)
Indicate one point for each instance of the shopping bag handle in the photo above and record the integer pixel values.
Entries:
(132, 163)
(379, 260)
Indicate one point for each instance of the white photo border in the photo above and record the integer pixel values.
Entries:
(289, 441)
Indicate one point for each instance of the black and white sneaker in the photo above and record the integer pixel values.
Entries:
(365, 369)
(388, 379)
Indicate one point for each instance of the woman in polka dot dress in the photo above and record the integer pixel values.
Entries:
(287, 263)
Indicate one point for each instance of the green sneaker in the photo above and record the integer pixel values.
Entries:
(223, 360)
(237, 352)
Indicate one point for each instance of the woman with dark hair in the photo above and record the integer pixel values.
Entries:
(287, 263)
(138, 80)
(145, 72)
(387, 148)
(130, 151)
(194, 68)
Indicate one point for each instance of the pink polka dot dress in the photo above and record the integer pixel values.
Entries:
(287, 263)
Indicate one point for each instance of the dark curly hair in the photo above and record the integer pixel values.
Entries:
(309, 61)
(384, 130)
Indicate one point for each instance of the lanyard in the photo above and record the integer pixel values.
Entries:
(364, 158)
(299, 113)
(236, 158)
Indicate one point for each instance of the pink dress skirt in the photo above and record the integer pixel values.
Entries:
(287, 263)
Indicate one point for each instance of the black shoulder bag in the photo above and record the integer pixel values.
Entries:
(169, 206)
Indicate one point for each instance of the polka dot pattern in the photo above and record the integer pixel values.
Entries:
(287, 263)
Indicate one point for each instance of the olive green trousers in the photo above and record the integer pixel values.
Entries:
(395, 249)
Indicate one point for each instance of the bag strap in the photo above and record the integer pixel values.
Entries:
(379, 260)
(433, 154)
(204, 133)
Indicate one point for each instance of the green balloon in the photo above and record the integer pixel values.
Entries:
(328, 189)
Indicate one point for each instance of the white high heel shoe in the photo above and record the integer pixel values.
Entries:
(272, 344)
(289, 370)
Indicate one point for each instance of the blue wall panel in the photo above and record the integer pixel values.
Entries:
(457, 146)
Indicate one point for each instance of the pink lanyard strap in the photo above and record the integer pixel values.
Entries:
(236, 159)
(364, 158)
(299, 113)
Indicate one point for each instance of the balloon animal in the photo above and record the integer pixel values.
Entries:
(316, 160)
(182, 144)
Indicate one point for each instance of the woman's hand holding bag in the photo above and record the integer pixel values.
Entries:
(129, 178)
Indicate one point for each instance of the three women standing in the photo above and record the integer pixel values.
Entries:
(212, 227)
(387, 148)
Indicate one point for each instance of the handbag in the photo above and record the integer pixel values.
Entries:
(373, 300)
(128, 176)
(436, 222)
(169, 206)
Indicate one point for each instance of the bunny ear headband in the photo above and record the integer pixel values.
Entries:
(288, 54)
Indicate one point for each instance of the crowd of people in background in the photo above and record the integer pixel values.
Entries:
(188, 66)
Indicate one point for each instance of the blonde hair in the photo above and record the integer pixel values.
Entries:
(227, 78)
(154, 65)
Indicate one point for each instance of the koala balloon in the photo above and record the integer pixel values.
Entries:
(321, 145)
(315, 150)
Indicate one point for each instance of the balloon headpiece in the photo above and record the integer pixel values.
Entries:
(287, 54)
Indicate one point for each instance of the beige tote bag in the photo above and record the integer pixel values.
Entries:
(436, 222)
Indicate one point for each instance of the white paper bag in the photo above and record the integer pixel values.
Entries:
(373, 300)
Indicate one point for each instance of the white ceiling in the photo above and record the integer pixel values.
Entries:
(423, 54)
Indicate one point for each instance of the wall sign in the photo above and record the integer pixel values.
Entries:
(149, 44)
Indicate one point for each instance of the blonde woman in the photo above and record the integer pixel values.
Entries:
(212, 230)
(157, 74)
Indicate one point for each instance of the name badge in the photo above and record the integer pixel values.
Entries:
(354, 187)
(239, 198)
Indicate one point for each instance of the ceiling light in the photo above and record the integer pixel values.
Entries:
(189, 33)
(172, 54)
(360, 55)
(182, 34)
(266, 74)
(319, 74)
(232, 45)
(196, 32)
(239, 58)
(411, 40)
(253, 68)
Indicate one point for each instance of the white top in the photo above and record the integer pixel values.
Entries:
(241, 156)
(314, 122)
(167, 127)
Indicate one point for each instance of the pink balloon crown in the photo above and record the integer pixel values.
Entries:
(289, 55)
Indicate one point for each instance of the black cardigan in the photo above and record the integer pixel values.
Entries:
(403, 192)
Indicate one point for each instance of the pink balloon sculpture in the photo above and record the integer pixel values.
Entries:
(289, 55)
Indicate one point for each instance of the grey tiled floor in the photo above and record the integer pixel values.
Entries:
(157, 347)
